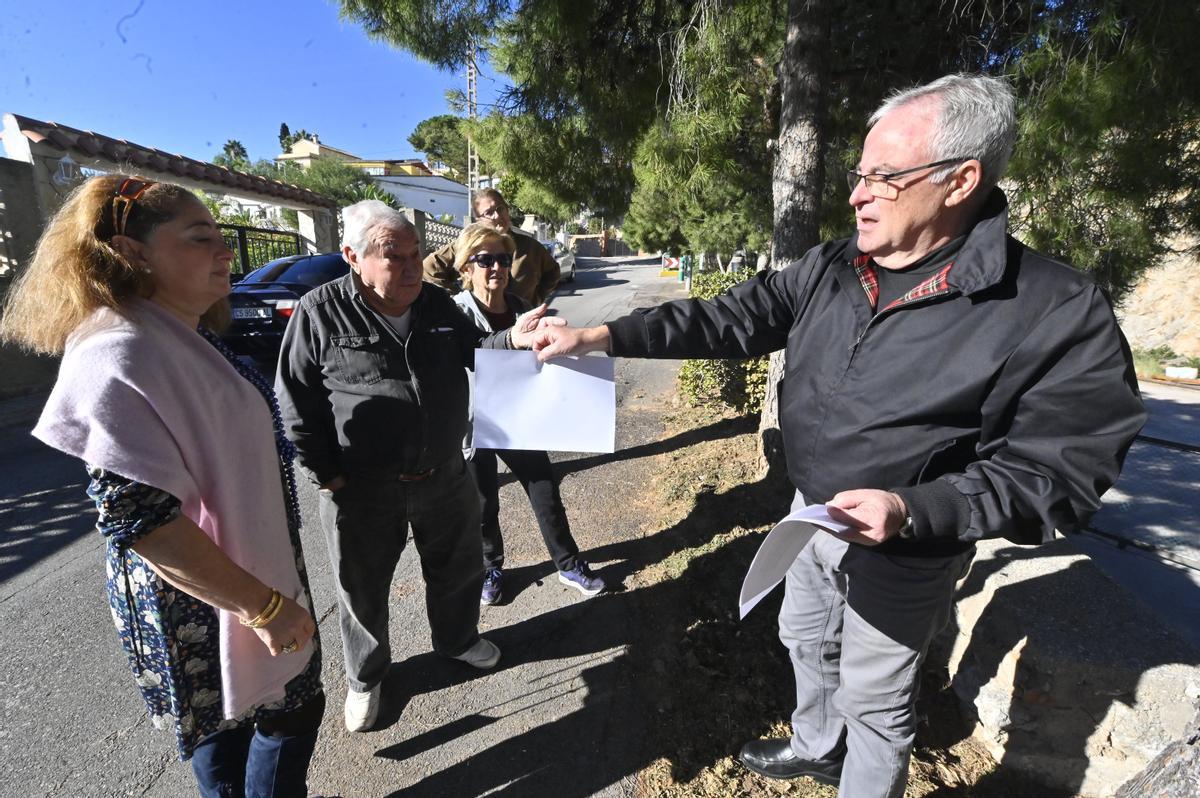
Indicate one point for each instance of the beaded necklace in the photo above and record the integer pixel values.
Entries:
(284, 447)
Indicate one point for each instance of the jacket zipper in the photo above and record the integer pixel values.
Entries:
(424, 447)
(885, 311)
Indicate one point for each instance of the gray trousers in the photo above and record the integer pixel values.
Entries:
(857, 625)
(366, 527)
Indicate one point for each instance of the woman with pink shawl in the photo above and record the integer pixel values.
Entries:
(191, 475)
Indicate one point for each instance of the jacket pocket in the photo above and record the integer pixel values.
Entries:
(358, 359)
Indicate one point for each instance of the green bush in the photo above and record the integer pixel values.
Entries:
(738, 384)
(1149, 362)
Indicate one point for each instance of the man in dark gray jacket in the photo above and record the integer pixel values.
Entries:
(944, 384)
(373, 394)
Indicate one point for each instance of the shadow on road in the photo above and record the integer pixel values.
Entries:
(681, 642)
(726, 428)
(589, 273)
(38, 522)
(1173, 419)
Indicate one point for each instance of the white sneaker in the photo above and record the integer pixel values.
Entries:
(484, 654)
(361, 709)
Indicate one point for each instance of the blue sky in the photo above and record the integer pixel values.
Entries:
(186, 76)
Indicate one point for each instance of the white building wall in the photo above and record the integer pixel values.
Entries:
(433, 195)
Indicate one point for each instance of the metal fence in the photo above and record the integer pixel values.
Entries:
(255, 246)
(439, 234)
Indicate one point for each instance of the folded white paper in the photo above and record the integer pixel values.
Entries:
(567, 404)
(779, 550)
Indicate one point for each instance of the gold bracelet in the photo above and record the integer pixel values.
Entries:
(274, 605)
(270, 615)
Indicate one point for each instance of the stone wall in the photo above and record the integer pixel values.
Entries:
(1068, 677)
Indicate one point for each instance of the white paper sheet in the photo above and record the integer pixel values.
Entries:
(567, 404)
(779, 550)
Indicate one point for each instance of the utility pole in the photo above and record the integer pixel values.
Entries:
(472, 154)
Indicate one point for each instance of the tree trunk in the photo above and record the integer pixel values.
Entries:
(798, 174)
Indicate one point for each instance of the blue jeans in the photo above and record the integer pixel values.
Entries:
(270, 761)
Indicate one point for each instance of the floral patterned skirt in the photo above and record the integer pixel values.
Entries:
(171, 640)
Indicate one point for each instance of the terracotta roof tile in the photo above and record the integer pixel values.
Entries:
(88, 143)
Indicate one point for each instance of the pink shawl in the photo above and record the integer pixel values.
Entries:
(146, 397)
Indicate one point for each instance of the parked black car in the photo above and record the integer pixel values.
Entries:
(263, 301)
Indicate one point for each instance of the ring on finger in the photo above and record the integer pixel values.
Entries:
(290, 647)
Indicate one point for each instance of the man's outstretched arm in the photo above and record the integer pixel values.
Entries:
(551, 342)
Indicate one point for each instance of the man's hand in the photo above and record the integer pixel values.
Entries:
(551, 342)
(531, 321)
(875, 515)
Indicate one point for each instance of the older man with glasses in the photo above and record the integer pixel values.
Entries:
(535, 272)
(945, 383)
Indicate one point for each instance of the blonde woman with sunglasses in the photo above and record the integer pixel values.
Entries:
(190, 473)
(484, 258)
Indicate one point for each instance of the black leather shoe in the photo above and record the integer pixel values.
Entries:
(776, 760)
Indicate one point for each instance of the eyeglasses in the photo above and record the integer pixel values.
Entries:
(129, 192)
(486, 260)
(880, 183)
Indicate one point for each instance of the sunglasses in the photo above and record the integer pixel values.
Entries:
(129, 192)
(486, 260)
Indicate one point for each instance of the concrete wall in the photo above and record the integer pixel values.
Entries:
(20, 225)
(20, 220)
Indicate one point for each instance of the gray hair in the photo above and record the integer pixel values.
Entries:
(360, 220)
(976, 118)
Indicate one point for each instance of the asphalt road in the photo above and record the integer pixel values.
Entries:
(73, 724)
(1146, 537)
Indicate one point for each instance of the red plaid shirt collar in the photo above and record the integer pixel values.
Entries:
(868, 278)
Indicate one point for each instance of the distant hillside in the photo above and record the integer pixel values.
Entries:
(1164, 308)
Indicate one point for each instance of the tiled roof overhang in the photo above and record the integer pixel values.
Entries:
(119, 151)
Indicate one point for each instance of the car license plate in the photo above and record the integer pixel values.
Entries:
(252, 313)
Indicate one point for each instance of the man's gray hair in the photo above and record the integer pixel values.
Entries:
(976, 118)
(361, 218)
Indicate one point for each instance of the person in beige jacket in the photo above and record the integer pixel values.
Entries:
(535, 272)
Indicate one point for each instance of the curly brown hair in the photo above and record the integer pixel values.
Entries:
(76, 269)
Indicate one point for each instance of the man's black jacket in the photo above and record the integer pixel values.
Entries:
(354, 397)
(1006, 395)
